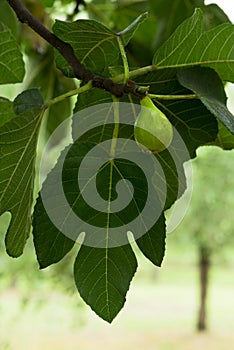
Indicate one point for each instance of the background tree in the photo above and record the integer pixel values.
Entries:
(208, 222)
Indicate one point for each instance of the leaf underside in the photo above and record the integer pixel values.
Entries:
(18, 142)
(11, 61)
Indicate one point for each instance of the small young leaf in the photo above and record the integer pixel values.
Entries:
(18, 142)
(42, 73)
(129, 32)
(206, 83)
(11, 61)
(28, 100)
(103, 277)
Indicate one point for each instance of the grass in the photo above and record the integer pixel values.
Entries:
(155, 317)
(160, 313)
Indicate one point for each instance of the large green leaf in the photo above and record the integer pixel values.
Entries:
(103, 277)
(206, 83)
(95, 45)
(6, 111)
(189, 45)
(18, 142)
(11, 61)
(56, 228)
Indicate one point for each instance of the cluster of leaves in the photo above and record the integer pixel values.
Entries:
(193, 54)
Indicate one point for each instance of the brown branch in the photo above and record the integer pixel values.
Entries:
(66, 50)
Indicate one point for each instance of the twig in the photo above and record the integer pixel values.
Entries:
(66, 50)
(78, 3)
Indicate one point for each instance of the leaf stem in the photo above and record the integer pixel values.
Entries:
(135, 73)
(173, 97)
(77, 91)
(124, 59)
(116, 127)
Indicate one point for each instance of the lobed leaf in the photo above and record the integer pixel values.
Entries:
(109, 263)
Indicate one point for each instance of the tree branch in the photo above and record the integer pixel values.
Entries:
(66, 50)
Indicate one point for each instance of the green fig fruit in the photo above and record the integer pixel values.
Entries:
(152, 128)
